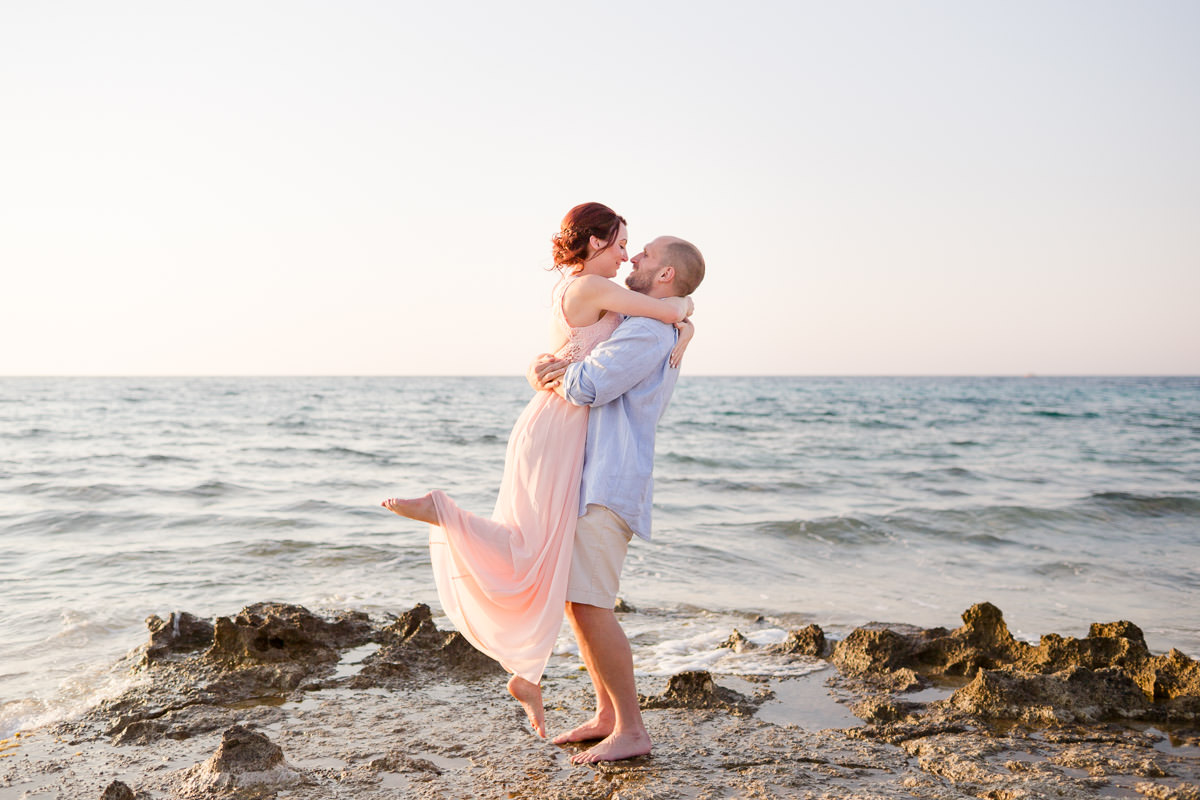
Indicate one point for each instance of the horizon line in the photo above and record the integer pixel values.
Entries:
(690, 375)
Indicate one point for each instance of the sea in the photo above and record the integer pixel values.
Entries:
(779, 501)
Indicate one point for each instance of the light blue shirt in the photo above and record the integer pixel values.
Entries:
(628, 383)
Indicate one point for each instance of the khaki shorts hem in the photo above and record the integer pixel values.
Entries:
(598, 599)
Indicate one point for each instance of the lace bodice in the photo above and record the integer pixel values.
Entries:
(580, 341)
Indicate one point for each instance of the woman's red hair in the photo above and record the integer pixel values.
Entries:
(570, 244)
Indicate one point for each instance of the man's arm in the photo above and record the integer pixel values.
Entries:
(637, 349)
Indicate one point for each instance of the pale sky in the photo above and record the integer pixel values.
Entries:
(369, 188)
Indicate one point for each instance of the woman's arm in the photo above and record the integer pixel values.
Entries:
(600, 294)
(686, 331)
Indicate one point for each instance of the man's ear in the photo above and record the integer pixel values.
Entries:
(667, 275)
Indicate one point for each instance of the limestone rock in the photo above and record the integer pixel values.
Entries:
(807, 641)
(275, 632)
(737, 642)
(412, 644)
(244, 759)
(180, 633)
(883, 709)
(1075, 695)
(1113, 654)
(117, 791)
(696, 689)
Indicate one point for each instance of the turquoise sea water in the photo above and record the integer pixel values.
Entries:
(833, 500)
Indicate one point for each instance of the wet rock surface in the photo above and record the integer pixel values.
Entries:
(807, 641)
(278, 702)
(267, 633)
(697, 690)
(117, 791)
(180, 633)
(246, 763)
(413, 648)
(1108, 675)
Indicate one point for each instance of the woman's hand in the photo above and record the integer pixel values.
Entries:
(686, 331)
(545, 372)
(684, 307)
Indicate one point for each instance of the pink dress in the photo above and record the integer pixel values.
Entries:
(503, 581)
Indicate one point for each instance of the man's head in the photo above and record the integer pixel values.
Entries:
(666, 267)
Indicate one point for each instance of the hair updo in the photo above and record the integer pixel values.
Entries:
(570, 245)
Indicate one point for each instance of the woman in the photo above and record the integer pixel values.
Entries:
(503, 581)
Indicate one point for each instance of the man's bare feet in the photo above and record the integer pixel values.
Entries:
(615, 748)
(594, 728)
(421, 509)
(530, 697)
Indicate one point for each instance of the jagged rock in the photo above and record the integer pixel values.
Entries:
(1173, 676)
(1114, 644)
(117, 791)
(867, 651)
(256, 657)
(275, 632)
(244, 750)
(244, 759)
(880, 656)
(1159, 791)
(623, 606)
(878, 710)
(807, 641)
(142, 731)
(181, 633)
(413, 644)
(696, 689)
(1076, 694)
(737, 642)
(886, 658)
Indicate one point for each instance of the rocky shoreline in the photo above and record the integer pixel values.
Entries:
(276, 701)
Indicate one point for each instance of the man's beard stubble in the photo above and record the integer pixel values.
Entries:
(633, 281)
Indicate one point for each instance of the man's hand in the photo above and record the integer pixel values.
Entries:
(545, 372)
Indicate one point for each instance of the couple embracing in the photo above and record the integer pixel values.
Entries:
(577, 478)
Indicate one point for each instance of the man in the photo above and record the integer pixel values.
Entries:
(627, 381)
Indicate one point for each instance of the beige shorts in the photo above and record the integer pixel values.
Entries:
(601, 540)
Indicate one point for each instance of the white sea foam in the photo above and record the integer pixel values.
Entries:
(90, 685)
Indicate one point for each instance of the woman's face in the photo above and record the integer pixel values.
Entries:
(607, 261)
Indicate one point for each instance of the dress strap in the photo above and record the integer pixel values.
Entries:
(560, 292)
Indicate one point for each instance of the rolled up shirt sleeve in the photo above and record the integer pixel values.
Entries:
(634, 351)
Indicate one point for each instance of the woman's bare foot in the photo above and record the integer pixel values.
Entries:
(594, 728)
(421, 509)
(529, 695)
(615, 748)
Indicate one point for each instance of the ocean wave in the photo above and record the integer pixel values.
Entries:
(880, 424)
(943, 473)
(158, 459)
(1051, 414)
(273, 548)
(683, 458)
(94, 493)
(731, 485)
(58, 522)
(207, 490)
(221, 522)
(668, 641)
(1062, 569)
(313, 506)
(831, 530)
(1143, 505)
